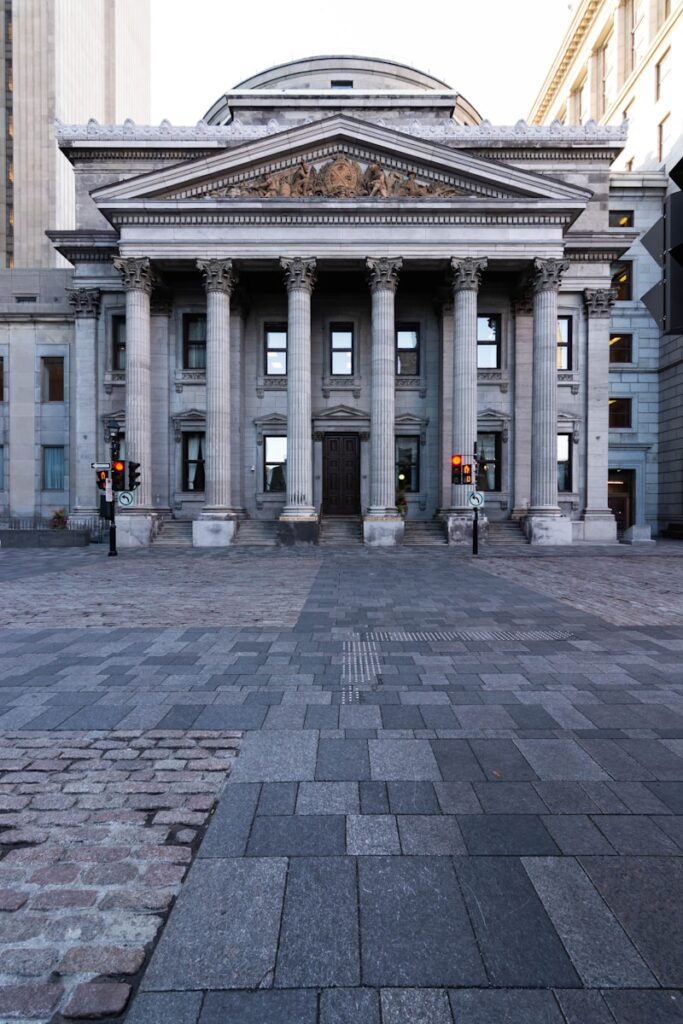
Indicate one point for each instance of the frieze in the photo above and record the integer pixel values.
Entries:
(339, 178)
(270, 383)
(186, 378)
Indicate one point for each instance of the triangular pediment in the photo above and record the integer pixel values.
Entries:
(339, 158)
(341, 413)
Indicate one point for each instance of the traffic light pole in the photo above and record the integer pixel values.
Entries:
(115, 449)
(475, 533)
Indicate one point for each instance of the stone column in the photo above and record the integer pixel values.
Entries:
(523, 373)
(546, 524)
(86, 305)
(383, 526)
(466, 279)
(216, 525)
(599, 523)
(138, 280)
(299, 522)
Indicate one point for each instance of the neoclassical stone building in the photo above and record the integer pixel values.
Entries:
(304, 305)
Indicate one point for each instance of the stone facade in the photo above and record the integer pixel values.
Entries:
(365, 281)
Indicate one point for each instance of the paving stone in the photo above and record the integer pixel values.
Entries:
(328, 798)
(575, 834)
(374, 798)
(12, 899)
(645, 1007)
(274, 1007)
(305, 835)
(509, 798)
(165, 1007)
(318, 944)
(371, 834)
(670, 793)
(517, 940)
(497, 834)
(224, 928)
(457, 798)
(456, 761)
(581, 1007)
(634, 834)
(102, 960)
(402, 759)
(278, 798)
(414, 927)
(566, 797)
(401, 717)
(645, 895)
(672, 825)
(481, 1006)
(412, 798)
(341, 760)
(415, 1006)
(560, 759)
(654, 756)
(600, 951)
(97, 999)
(638, 798)
(30, 1001)
(276, 757)
(349, 1006)
(429, 834)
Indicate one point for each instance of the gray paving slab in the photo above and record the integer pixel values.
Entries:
(402, 759)
(231, 823)
(506, 834)
(163, 1007)
(300, 835)
(224, 928)
(560, 759)
(416, 1006)
(349, 1006)
(423, 834)
(635, 834)
(371, 835)
(342, 760)
(276, 757)
(582, 1007)
(645, 1007)
(328, 798)
(480, 1006)
(274, 1007)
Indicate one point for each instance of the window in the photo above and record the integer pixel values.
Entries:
(564, 462)
(622, 281)
(619, 413)
(407, 350)
(118, 336)
(639, 38)
(194, 341)
(2, 467)
(408, 464)
(25, 299)
(488, 342)
(621, 348)
(564, 343)
(662, 71)
(621, 218)
(275, 464)
(53, 379)
(341, 350)
(663, 137)
(341, 83)
(276, 349)
(608, 69)
(488, 468)
(193, 462)
(53, 468)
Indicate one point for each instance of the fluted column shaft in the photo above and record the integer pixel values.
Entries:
(85, 303)
(219, 280)
(300, 279)
(383, 279)
(598, 308)
(466, 280)
(138, 279)
(546, 284)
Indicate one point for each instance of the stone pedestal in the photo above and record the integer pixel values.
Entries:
(382, 524)
(600, 528)
(136, 529)
(213, 530)
(638, 535)
(599, 523)
(460, 526)
(545, 529)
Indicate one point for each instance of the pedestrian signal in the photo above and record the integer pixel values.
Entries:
(467, 473)
(101, 478)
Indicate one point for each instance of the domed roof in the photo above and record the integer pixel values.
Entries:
(343, 72)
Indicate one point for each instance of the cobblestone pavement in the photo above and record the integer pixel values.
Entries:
(97, 830)
(457, 799)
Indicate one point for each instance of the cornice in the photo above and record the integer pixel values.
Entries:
(573, 40)
(349, 217)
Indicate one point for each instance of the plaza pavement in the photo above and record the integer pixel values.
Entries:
(458, 794)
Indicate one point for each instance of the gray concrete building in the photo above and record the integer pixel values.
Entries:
(299, 309)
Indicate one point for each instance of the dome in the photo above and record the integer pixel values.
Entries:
(344, 72)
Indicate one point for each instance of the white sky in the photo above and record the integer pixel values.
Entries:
(495, 52)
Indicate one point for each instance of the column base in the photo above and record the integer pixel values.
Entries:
(297, 529)
(383, 531)
(460, 526)
(214, 530)
(600, 527)
(641, 534)
(136, 530)
(548, 529)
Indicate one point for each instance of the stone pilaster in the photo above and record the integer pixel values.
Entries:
(382, 524)
(599, 522)
(546, 525)
(138, 280)
(86, 305)
(299, 519)
(523, 373)
(216, 526)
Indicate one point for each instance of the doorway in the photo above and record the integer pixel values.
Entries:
(621, 497)
(341, 474)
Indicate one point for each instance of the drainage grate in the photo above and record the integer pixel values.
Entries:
(403, 636)
(360, 661)
(350, 695)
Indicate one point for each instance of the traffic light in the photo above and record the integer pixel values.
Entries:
(467, 473)
(456, 469)
(118, 475)
(101, 478)
(133, 475)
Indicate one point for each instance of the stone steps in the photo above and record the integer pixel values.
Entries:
(507, 532)
(261, 532)
(175, 533)
(423, 534)
(340, 531)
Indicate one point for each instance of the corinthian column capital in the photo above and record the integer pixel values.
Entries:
(599, 301)
(299, 273)
(547, 274)
(85, 301)
(466, 273)
(219, 275)
(136, 272)
(383, 273)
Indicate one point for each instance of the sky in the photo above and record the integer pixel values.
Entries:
(496, 53)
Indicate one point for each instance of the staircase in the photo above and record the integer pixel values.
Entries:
(176, 533)
(261, 532)
(506, 532)
(422, 534)
(340, 531)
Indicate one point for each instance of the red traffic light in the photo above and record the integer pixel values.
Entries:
(118, 475)
(118, 467)
(456, 460)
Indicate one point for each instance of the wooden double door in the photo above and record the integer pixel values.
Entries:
(341, 474)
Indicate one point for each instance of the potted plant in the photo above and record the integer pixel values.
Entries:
(401, 503)
(59, 519)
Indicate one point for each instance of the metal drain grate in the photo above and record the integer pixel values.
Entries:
(403, 636)
(350, 695)
(360, 661)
